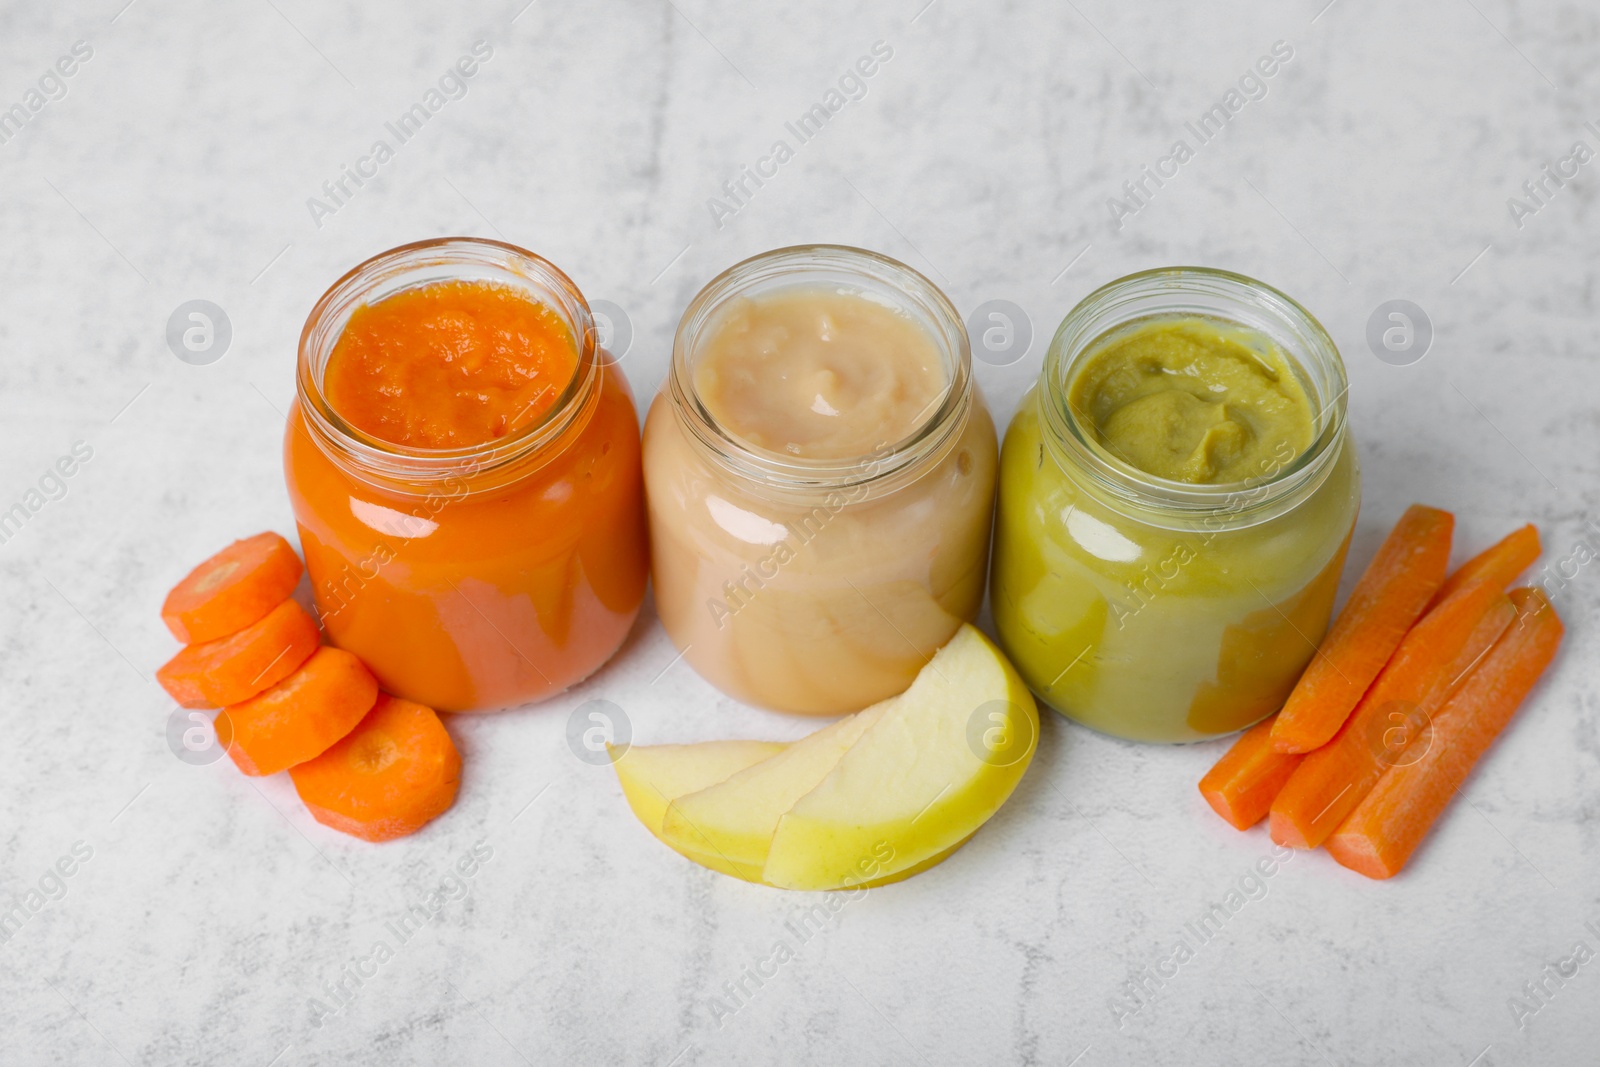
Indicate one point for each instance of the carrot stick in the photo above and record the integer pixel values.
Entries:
(1501, 562)
(394, 773)
(1392, 593)
(237, 667)
(232, 589)
(1242, 785)
(303, 715)
(1428, 666)
(1383, 831)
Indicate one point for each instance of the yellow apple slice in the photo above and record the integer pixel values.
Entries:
(732, 822)
(653, 776)
(935, 765)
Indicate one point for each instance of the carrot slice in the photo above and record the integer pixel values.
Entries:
(1392, 593)
(1244, 782)
(390, 776)
(232, 589)
(300, 717)
(1429, 665)
(1501, 562)
(216, 673)
(1383, 831)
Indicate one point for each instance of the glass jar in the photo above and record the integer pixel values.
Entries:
(480, 577)
(1160, 610)
(818, 586)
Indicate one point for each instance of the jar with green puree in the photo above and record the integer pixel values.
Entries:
(1176, 498)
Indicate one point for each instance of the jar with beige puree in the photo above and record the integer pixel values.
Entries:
(820, 472)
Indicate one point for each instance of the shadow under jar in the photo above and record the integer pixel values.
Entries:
(487, 574)
(817, 574)
(1157, 608)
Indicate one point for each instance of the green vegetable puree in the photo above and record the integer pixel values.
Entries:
(1150, 624)
(1194, 400)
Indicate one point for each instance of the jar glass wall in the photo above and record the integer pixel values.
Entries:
(1160, 610)
(818, 586)
(477, 577)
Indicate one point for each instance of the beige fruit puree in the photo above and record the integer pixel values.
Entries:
(820, 476)
(818, 373)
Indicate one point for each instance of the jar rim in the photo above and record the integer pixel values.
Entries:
(410, 266)
(785, 267)
(1202, 292)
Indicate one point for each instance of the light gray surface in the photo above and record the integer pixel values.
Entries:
(178, 165)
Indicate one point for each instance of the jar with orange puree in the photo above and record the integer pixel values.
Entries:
(820, 473)
(464, 467)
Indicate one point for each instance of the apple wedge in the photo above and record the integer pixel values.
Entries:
(728, 826)
(653, 776)
(934, 765)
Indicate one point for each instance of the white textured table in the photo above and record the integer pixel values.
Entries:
(176, 163)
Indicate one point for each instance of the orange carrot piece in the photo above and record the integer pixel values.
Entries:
(1429, 665)
(216, 673)
(392, 775)
(232, 589)
(1391, 595)
(1383, 831)
(1501, 562)
(1244, 782)
(303, 715)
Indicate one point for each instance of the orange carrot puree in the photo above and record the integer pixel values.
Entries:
(449, 365)
(483, 591)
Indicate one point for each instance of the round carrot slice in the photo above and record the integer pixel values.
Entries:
(232, 589)
(301, 716)
(391, 776)
(216, 673)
